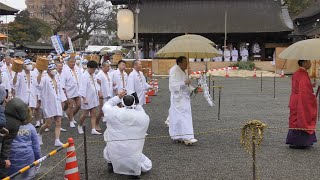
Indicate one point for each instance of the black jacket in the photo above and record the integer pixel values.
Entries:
(16, 112)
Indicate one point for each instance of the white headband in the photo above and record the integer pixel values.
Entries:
(133, 104)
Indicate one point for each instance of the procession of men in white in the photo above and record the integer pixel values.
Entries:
(105, 94)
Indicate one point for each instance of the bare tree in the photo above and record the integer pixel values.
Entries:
(92, 15)
(63, 13)
(81, 17)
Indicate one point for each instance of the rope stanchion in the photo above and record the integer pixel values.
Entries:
(167, 136)
(85, 153)
(251, 137)
(219, 102)
(261, 82)
(37, 162)
(62, 160)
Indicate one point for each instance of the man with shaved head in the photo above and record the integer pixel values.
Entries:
(137, 82)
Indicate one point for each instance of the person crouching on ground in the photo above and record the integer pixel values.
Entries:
(130, 122)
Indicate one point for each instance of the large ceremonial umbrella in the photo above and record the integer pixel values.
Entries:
(188, 47)
(19, 54)
(117, 52)
(104, 51)
(195, 37)
(3, 37)
(303, 50)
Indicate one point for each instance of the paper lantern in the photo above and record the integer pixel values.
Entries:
(125, 20)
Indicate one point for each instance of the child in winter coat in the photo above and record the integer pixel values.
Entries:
(16, 112)
(25, 149)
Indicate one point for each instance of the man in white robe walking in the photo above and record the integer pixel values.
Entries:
(51, 97)
(181, 126)
(107, 87)
(70, 78)
(7, 68)
(120, 77)
(137, 82)
(89, 91)
(128, 122)
(5, 82)
(25, 84)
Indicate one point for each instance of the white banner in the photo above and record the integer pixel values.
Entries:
(57, 44)
(70, 45)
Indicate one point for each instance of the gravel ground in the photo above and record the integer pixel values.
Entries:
(218, 155)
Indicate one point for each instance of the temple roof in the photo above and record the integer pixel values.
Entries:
(307, 23)
(37, 46)
(208, 16)
(312, 10)
(7, 10)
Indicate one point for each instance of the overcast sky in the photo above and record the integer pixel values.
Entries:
(17, 4)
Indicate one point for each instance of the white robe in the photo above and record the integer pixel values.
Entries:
(180, 107)
(244, 55)
(235, 55)
(79, 69)
(69, 82)
(63, 95)
(218, 59)
(226, 55)
(11, 74)
(28, 94)
(106, 86)
(126, 156)
(139, 85)
(51, 98)
(117, 78)
(89, 88)
(5, 81)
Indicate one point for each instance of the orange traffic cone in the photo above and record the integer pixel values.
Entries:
(147, 98)
(156, 85)
(151, 93)
(255, 73)
(151, 83)
(282, 73)
(227, 74)
(150, 72)
(71, 171)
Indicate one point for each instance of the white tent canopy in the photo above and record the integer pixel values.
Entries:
(92, 48)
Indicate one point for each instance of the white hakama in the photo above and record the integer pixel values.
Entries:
(70, 81)
(120, 80)
(137, 83)
(235, 55)
(180, 108)
(51, 96)
(106, 86)
(226, 55)
(28, 93)
(123, 123)
(89, 88)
